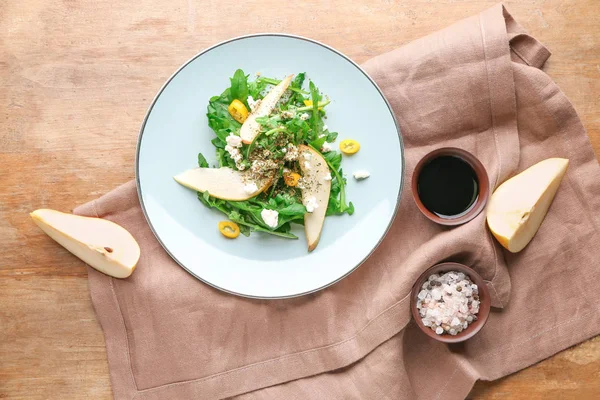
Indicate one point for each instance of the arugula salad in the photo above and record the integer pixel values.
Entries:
(275, 160)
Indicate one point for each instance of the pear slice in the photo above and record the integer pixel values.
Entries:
(223, 183)
(100, 243)
(316, 182)
(250, 128)
(518, 207)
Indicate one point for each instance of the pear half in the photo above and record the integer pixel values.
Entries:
(250, 127)
(518, 207)
(316, 182)
(223, 183)
(101, 244)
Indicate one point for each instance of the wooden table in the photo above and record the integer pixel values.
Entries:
(76, 78)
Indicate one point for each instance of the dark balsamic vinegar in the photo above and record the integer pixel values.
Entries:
(448, 186)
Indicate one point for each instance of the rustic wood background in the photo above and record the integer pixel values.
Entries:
(76, 78)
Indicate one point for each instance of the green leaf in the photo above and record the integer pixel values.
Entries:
(298, 80)
(350, 210)
(255, 88)
(202, 163)
(318, 142)
(239, 87)
(334, 159)
(275, 82)
(295, 209)
(245, 230)
(316, 122)
(332, 136)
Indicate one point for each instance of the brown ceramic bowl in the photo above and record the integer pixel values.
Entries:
(484, 185)
(484, 306)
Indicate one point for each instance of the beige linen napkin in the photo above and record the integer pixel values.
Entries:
(475, 85)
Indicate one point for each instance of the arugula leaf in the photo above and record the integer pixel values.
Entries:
(222, 162)
(334, 159)
(319, 142)
(202, 163)
(218, 143)
(296, 84)
(295, 210)
(275, 82)
(331, 136)
(298, 80)
(317, 123)
(256, 87)
(239, 87)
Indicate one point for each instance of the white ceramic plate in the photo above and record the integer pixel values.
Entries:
(263, 266)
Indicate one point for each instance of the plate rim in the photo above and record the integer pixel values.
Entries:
(219, 44)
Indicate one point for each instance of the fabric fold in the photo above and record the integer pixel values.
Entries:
(475, 85)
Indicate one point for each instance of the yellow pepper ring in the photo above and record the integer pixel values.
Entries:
(309, 103)
(349, 146)
(229, 229)
(238, 111)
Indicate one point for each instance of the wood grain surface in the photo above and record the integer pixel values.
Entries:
(76, 78)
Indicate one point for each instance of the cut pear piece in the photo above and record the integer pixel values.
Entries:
(223, 183)
(518, 207)
(316, 185)
(251, 128)
(101, 244)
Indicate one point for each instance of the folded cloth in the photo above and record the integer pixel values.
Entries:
(475, 85)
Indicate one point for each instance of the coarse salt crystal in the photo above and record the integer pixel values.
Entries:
(443, 302)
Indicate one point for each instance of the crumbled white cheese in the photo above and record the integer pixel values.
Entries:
(253, 103)
(326, 147)
(327, 177)
(361, 174)
(292, 153)
(250, 188)
(304, 116)
(271, 217)
(283, 150)
(234, 140)
(233, 144)
(306, 165)
(287, 114)
(311, 204)
(307, 156)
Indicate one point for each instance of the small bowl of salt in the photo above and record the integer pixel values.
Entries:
(450, 302)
